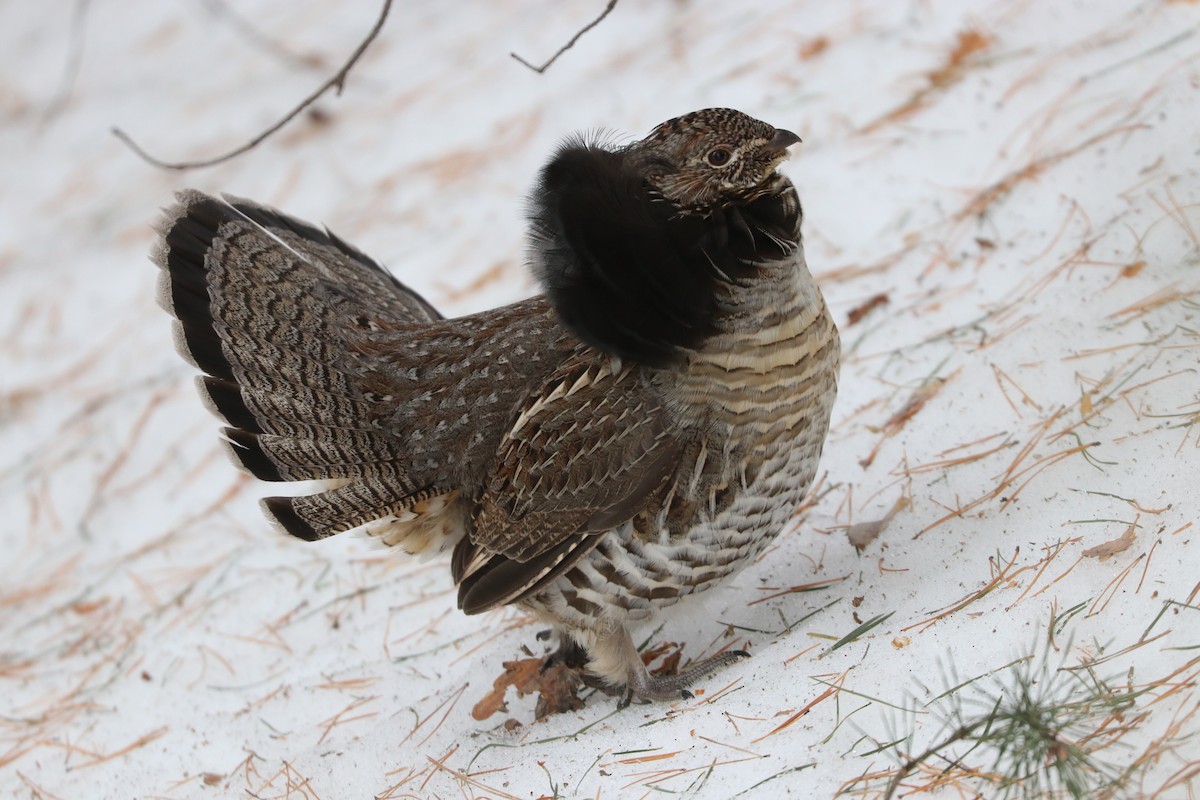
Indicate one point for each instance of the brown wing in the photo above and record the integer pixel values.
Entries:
(586, 454)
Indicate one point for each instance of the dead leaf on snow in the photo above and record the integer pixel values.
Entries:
(1109, 549)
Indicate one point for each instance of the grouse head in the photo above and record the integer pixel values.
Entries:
(713, 158)
(632, 244)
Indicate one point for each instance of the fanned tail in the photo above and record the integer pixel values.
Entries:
(266, 305)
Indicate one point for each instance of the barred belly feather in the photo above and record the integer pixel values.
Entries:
(768, 390)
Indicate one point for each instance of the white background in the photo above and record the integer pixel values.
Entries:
(1019, 180)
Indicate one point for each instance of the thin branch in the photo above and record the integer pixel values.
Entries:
(337, 81)
(66, 86)
(222, 9)
(539, 70)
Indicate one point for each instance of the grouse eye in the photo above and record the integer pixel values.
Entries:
(719, 156)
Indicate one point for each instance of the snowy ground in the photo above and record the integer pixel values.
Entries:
(1003, 205)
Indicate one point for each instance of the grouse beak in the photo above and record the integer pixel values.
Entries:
(781, 141)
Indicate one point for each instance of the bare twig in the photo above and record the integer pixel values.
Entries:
(337, 81)
(74, 60)
(222, 9)
(539, 70)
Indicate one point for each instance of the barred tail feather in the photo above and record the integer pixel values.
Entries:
(261, 304)
(295, 414)
(351, 505)
(284, 458)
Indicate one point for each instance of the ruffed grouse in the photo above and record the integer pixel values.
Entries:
(636, 434)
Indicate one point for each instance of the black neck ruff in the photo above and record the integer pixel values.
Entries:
(628, 272)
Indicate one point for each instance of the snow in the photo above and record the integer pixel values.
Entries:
(1017, 182)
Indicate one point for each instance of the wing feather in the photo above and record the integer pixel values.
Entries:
(587, 453)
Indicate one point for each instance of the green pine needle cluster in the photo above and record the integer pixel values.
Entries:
(1041, 731)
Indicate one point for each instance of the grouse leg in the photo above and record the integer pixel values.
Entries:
(574, 657)
(641, 685)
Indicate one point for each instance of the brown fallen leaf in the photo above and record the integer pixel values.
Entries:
(516, 673)
(862, 534)
(671, 653)
(1109, 549)
(555, 686)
